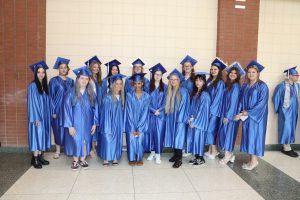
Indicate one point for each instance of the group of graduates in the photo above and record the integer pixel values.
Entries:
(90, 115)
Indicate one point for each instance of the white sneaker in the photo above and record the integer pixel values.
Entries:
(207, 154)
(151, 156)
(212, 156)
(157, 159)
(185, 155)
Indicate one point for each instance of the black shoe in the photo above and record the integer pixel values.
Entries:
(74, 165)
(290, 153)
(36, 163)
(295, 153)
(84, 164)
(177, 164)
(173, 159)
(42, 160)
(199, 161)
(192, 161)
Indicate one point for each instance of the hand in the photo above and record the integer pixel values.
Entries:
(237, 117)
(54, 116)
(93, 129)
(244, 113)
(157, 113)
(72, 131)
(225, 120)
(37, 123)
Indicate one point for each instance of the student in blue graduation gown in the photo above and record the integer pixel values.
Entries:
(177, 111)
(228, 124)
(285, 100)
(39, 115)
(112, 69)
(94, 64)
(198, 118)
(110, 139)
(215, 88)
(136, 120)
(188, 64)
(81, 118)
(156, 131)
(137, 67)
(58, 86)
(254, 114)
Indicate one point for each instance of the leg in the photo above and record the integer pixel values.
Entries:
(35, 161)
(57, 152)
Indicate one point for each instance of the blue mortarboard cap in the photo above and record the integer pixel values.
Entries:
(238, 66)
(137, 77)
(39, 64)
(93, 59)
(113, 78)
(254, 63)
(157, 67)
(201, 73)
(189, 59)
(112, 63)
(138, 61)
(60, 61)
(291, 71)
(219, 63)
(177, 73)
(83, 71)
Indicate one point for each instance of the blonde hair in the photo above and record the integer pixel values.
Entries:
(121, 93)
(90, 91)
(172, 92)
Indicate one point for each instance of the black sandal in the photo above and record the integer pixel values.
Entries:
(106, 164)
(115, 163)
(177, 164)
(173, 159)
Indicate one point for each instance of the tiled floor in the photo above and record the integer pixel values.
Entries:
(57, 181)
(290, 166)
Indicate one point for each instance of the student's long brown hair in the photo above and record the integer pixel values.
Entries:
(230, 83)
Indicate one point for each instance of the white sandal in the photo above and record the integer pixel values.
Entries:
(56, 155)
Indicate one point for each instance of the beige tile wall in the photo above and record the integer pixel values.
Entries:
(154, 30)
(278, 48)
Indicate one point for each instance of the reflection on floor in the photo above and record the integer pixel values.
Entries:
(152, 181)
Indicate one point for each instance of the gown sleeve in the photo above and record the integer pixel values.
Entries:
(277, 97)
(107, 110)
(258, 111)
(142, 125)
(202, 119)
(33, 111)
(216, 104)
(68, 110)
(234, 100)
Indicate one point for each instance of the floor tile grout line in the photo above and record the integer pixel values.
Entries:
(195, 190)
(74, 184)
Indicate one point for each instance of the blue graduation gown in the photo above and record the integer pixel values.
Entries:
(188, 84)
(228, 132)
(129, 88)
(199, 112)
(176, 122)
(81, 115)
(57, 90)
(110, 139)
(216, 95)
(287, 117)
(104, 87)
(254, 100)
(100, 94)
(38, 109)
(155, 136)
(136, 119)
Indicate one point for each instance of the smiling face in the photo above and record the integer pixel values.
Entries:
(157, 76)
(187, 67)
(174, 81)
(63, 69)
(118, 86)
(114, 70)
(294, 78)
(138, 85)
(95, 68)
(138, 68)
(233, 75)
(252, 74)
(214, 71)
(83, 81)
(199, 83)
(41, 73)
